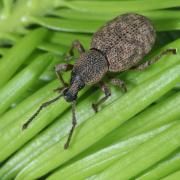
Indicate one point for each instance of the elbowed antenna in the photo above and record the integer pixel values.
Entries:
(26, 124)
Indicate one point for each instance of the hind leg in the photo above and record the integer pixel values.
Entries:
(155, 59)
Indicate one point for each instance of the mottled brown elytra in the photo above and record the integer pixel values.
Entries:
(117, 46)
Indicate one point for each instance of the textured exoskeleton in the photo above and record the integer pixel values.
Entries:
(118, 46)
(124, 41)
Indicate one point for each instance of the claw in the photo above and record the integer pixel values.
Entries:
(94, 107)
(24, 126)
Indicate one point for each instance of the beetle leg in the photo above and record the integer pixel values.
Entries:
(120, 83)
(155, 59)
(75, 45)
(60, 68)
(107, 93)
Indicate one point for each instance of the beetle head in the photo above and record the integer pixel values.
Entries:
(76, 84)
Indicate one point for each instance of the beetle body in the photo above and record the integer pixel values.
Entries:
(125, 41)
(117, 46)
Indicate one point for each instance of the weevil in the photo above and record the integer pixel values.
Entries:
(117, 46)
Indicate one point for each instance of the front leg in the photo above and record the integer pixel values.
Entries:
(155, 59)
(75, 45)
(62, 68)
(107, 93)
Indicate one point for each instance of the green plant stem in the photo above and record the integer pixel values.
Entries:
(22, 81)
(62, 38)
(96, 162)
(144, 156)
(3, 51)
(161, 25)
(120, 6)
(81, 15)
(21, 11)
(36, 98)
(45, 151)
(155, 116)
(163, 168)
(58, 49)
(53, 134)
(10, 37)
(14, 58)
(173, 176)
(84, 135)
(16, 137)
(56, 42)
(8, 4)
(82, 26)
(67, 38)
(49, 73)
(167, 110)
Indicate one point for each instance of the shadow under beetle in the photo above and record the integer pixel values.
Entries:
(115, 47)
